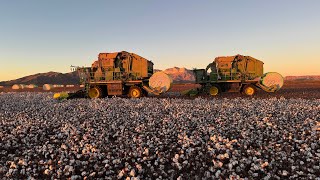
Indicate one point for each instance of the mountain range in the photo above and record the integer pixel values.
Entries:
(45, 78)
(180, 75)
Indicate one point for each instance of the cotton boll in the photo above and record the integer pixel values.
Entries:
(149, 138)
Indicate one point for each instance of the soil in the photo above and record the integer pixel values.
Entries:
(291, 89)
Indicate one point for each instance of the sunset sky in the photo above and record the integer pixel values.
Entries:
(40, 36)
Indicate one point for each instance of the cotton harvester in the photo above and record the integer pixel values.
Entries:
(236, 74)
(119, 73)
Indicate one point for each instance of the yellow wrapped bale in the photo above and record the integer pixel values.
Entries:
(60, 96)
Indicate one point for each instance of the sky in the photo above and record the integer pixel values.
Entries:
(39, 36)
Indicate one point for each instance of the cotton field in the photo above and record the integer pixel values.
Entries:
(158, 138)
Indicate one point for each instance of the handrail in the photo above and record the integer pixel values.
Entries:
(86, 75)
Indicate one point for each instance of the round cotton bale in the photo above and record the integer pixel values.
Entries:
(271, 79)
(81, 85)
(47, 87)
(160, 81)
(17, 86)
(22, 86)
(31, 86)
(69, 85)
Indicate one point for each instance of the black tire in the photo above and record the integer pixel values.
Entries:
(144, 93)
(249, 90)
(135, 92)
(95, 92)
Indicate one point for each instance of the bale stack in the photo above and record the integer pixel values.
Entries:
(70, 85)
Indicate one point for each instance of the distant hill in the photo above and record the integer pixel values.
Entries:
(179, 75)
(302, 78)
(45, 78)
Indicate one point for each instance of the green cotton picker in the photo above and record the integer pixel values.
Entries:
(235, 74)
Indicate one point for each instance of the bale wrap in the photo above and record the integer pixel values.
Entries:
(272, 79)
(160, 81)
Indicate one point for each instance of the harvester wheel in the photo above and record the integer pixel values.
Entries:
(135, 92)
(214, 90)
(249, 90)
(95, 92)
